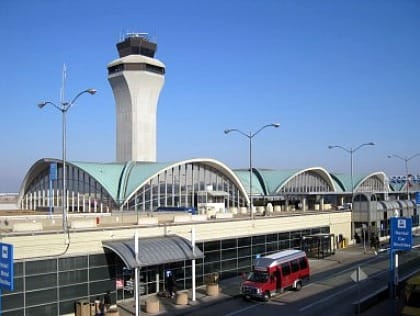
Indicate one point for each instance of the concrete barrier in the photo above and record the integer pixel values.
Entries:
(152, 306)
(224, 215)
(212, 289)
(112, 312)
(181, 298)
(199, 218)
(27, 227)
(260, 210)
(182, 218)
(233, 210)
(83, 223)
(148, 221)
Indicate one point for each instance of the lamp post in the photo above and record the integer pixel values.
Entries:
(351, 151)
(406, 160)
(250, 136)
(63, 107)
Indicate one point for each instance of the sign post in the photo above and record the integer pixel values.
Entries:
(417, 195)
(6, 269)
(6, 266)
(401, 240)
(357, 276)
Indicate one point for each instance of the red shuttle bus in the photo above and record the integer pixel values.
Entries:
(274, 273)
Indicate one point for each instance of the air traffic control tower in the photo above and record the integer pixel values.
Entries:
(136, 79)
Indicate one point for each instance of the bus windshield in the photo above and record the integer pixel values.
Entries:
(258, 276)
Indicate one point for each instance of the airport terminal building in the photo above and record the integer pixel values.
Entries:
(195, 212)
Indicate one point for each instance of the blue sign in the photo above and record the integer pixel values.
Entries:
(53, 171)
(401, 235)
(6, 266)
(418, 198)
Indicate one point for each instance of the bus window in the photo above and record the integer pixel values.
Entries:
(303, 263)
(295, 265)
(285, 269)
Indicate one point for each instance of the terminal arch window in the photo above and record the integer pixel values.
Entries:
(178, 186)
(307, 182)
(372, 184)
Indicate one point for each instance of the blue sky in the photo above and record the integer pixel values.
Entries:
(330, 72)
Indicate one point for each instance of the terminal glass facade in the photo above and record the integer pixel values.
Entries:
(179, 186)
(227, 257)
(55, 286)
(307, 182)
(84, 193)
(176, 187)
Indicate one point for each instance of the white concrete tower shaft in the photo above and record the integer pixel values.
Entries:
(136, 79)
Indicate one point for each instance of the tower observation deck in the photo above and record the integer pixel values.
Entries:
(137, 44)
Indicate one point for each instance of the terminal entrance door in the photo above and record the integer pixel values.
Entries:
(318, 246)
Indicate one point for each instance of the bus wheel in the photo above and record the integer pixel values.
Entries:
(266, 296)
(298, 286)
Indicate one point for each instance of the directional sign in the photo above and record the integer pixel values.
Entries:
(6, 266)
(401, 235)
(358, 275)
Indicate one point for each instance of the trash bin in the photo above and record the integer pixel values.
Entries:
(83, 308)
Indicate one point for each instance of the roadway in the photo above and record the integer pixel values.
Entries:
(330, 293)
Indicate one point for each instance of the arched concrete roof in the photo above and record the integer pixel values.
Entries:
(274, 180)
(122, 180)
(243, 175)
(360, 179)
(140, 173)
(106, 174)
(344, 180)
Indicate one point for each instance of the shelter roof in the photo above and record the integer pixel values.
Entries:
(153, 251)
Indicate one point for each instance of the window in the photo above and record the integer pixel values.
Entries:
(285, 269)
(303, 263)
(295, 266)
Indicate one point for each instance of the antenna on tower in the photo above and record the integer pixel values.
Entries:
(63, 84)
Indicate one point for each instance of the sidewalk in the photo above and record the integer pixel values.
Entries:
(229, 288)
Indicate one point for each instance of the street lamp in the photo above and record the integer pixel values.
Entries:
(351, 151)
(406, 160)
(63, 107)
(250, 135)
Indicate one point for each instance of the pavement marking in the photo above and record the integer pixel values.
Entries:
(326, 298)
(243, 309)
(371, 276)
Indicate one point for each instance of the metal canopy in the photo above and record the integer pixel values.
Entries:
(153, 251)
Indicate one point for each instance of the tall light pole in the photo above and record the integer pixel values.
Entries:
(351, 151)
(250, 136)
(406, 160)
(63, 107)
